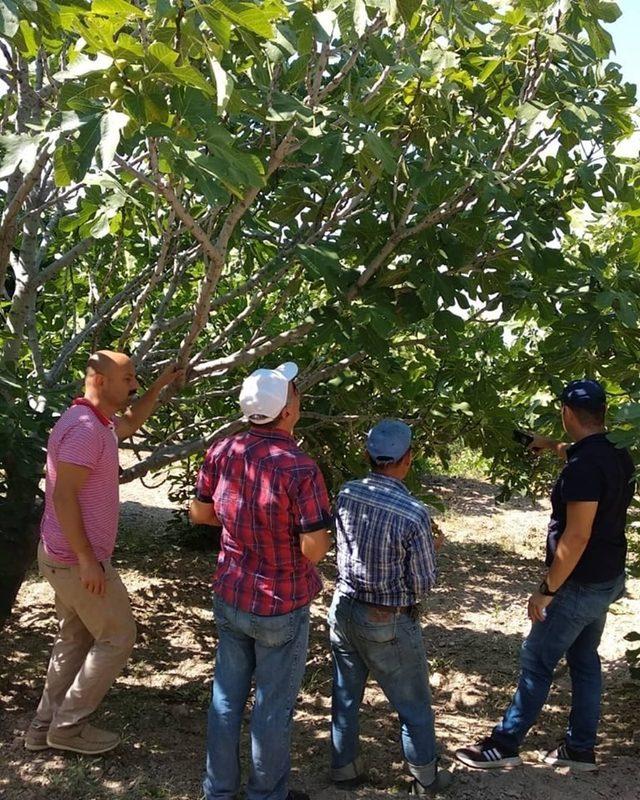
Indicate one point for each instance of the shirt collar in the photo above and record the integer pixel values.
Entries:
(594, 437)
(272, 433)
(82, 401)
(378, 477)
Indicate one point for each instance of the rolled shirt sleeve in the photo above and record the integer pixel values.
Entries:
(420, 561)
(207, 478)
(310, 501)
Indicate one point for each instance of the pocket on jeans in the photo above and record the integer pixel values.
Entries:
(219, 614)
(380, 633)
(273, 631)
(594, 600)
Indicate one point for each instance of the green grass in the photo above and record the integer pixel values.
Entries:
(467, 463)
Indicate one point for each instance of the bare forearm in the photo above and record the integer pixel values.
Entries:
(70, 519)
(142, 408)
(560, 449)
(203, 514)
(315, 546)
(547, 443)
(570, 548)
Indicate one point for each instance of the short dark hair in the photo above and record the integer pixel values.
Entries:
(376, 467)
(267, 426)
(589, 416)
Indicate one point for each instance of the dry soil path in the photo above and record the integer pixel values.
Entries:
(473, 627)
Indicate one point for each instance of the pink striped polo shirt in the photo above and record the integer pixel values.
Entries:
(86, 438)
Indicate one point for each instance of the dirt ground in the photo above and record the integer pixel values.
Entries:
(473, 627)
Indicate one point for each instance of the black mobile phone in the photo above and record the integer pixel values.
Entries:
(522, 437)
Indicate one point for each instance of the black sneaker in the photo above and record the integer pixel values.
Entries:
(487, 755)
(442, 782)
(566, 756)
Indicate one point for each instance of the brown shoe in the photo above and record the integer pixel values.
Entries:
(88, 740)
(36, 738)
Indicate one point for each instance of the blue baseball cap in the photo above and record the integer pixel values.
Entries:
(388, 441)
(584, 393)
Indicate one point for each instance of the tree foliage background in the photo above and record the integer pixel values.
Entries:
(428, 205)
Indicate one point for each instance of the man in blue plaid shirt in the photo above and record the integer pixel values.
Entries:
(386, 563)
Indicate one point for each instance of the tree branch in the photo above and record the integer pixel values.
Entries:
(346, 68)
(323, 374)
(223, 365)
(290, 289)
(251, 306)
(160, 458)
(377, 85)
(102, 312)
(141, 302)
(182, 450)
(52, 269)
(9, 225)
(166, 190)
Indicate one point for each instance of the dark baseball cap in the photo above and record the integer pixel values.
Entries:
(388, 441)
(584, 393)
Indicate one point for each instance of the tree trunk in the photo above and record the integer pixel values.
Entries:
(20, 513)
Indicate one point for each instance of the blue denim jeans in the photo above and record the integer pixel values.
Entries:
(573, 627)
(389, 646)
(273, 650)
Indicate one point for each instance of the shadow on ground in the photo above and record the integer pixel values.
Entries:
(160, 702)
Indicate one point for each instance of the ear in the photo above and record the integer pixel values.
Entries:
(93, 379)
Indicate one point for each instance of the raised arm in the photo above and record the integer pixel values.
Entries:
(142, 408)
(547, 443)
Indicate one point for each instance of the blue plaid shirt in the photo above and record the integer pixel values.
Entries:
(385, 546)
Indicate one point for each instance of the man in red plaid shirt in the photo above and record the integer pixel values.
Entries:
(271, 501)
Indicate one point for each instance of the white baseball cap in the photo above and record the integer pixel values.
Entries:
(264, 393)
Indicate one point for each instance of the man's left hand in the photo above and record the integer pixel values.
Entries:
(437, 534)
(537, 605)
(170, 374)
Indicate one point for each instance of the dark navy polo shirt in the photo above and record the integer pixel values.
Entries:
(595, 471)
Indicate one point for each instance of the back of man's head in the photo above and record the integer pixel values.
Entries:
(389, 446)
(587, 400)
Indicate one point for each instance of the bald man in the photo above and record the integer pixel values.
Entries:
(78, 535)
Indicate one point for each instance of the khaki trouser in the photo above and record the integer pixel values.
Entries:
(95, 638)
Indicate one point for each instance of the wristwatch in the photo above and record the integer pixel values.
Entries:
(545, 590)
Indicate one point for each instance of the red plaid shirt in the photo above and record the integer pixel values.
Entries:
(265, 492)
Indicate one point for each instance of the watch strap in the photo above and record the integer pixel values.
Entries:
(545, 590)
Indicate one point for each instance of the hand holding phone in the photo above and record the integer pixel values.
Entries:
(522, 437)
